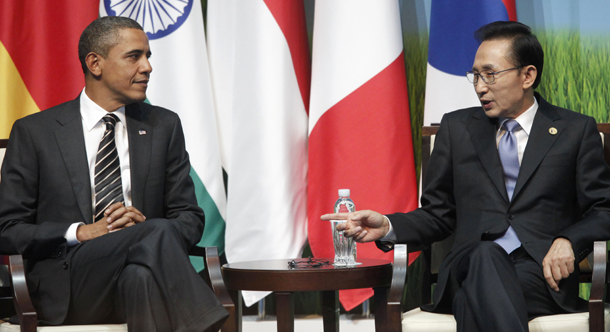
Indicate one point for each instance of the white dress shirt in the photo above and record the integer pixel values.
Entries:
(93, 130)
(526, 120)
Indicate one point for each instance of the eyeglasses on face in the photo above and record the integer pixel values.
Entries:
(487, 76)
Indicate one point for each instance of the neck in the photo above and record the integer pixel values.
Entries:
(97, 95)
(525, 103)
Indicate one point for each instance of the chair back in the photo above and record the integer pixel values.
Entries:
(6, 297)
(3, 144)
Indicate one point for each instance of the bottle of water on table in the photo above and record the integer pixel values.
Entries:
(345, 204)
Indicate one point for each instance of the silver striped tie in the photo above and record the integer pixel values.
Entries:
(108, 186)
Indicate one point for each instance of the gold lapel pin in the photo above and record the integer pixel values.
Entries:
(553, 131)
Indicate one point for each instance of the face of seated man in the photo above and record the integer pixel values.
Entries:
(121, 77)
(510, 94)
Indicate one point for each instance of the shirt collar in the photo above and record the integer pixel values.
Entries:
(526, 119)
(92, 113)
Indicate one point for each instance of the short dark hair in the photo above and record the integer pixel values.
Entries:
(101, 35)
(525, 49)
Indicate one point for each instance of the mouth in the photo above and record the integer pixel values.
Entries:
(143, 83)
(487, 104)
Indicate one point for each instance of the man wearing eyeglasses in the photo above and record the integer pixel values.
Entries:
(522, 184)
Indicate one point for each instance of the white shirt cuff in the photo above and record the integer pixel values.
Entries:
(70, 235)
(390, 236)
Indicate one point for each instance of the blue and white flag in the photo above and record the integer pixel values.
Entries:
(451, 51)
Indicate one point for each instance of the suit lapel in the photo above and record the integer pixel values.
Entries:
(539, 142)
(71, 142)
(483, 136)
(140, 148)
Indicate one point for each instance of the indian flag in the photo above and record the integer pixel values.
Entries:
(180, 81)
(39, 65)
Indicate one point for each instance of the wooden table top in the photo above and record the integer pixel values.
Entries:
(277, 275)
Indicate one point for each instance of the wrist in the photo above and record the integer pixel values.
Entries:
(89, 232)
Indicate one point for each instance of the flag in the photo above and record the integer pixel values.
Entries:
(359, 122)
(39, 55)
(180, 81)
(259, 58)
(451, 51)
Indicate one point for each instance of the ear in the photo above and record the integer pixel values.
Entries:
(530, 72)
(93, 63)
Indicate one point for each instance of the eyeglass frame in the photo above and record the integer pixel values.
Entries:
(310, 263)
(493, 75)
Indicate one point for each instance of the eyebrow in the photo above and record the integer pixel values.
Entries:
(485, 67)
(139, 51)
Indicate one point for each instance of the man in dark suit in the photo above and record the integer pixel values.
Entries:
(522, 184)
(104, 210)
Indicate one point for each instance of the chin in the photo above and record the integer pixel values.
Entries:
(138, 98)
(491, 113)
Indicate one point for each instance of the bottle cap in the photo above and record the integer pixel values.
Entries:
(344, 192)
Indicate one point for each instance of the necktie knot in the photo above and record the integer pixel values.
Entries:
(110, 120)
(511, 125)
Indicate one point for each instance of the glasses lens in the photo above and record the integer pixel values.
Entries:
(472, 78)
(487, 76)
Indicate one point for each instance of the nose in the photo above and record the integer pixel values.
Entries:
(145, 67)
(480, 87)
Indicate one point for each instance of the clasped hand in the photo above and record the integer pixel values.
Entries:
(116, 217)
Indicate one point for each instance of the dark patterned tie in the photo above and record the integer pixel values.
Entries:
(509, 156)
(108, 186)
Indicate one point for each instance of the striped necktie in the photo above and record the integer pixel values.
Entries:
(108, 186)
(509, 156)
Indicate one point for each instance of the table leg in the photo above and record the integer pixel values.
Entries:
(233, 322)
(330, 311)
(381, 309)
(285, 311)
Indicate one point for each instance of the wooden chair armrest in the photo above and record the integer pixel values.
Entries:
(21, 296)
(598, 282)
(399, 278)
(213, 276)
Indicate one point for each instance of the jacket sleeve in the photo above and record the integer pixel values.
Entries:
(435, 220)
(19, 200)
(180, 202)
(592, 193)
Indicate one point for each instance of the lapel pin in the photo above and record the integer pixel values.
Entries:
(143, 132)
(552, 130)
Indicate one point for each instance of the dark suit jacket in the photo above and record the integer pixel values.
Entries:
(45, 187)
(563, 190)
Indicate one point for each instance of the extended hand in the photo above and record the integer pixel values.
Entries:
(558, 262)
(363, 226)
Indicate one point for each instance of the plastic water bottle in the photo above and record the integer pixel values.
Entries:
(345, 204)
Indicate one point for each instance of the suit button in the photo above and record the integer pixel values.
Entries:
(511, 217)
(65, 266)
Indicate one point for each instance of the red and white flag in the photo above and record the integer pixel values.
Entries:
(39, 67)
(359, 122)
(259, 60)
